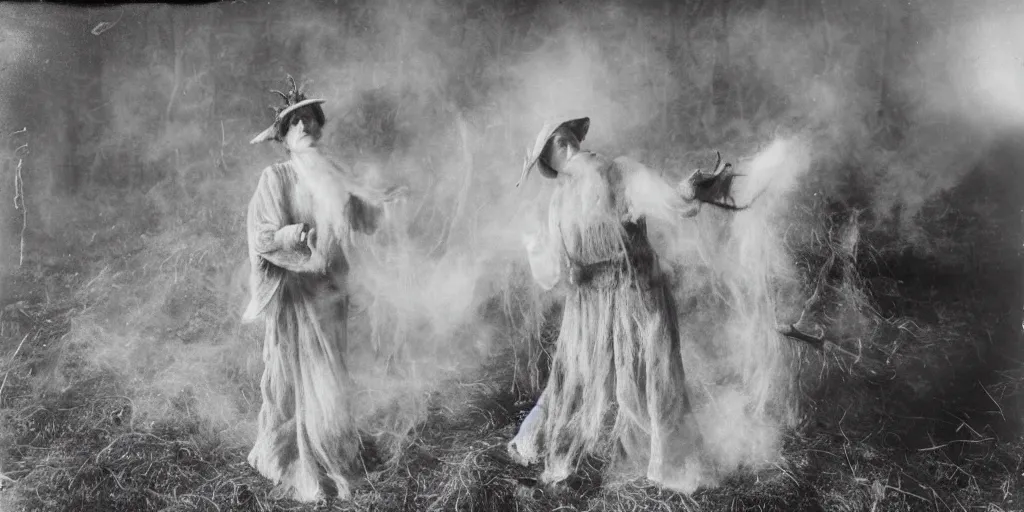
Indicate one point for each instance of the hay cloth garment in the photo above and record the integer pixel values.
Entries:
(305, 432)
(300, 222)
(617, 378)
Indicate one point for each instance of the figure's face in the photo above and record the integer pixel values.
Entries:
(562, 147)
(310, 123)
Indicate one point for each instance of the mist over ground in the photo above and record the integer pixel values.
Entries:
(136, 172)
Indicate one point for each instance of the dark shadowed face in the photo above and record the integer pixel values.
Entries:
(560, 148)
(312, 117)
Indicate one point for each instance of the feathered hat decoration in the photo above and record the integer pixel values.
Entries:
(295, 99)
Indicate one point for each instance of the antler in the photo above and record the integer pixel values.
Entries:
(295, 90)
(293, 95)
(718, 165)
(282, 95)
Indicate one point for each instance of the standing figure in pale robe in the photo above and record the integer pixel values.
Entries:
(300, 222)
(617, 377)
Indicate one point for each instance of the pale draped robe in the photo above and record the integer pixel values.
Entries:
(617, 381)
(306, 440)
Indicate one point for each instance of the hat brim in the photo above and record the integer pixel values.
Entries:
(579, 127)
(297, 106)
(265, 135)
(269, 133)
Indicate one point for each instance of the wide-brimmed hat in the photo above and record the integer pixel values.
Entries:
(271, 132)
(578, 127)
(294, 100)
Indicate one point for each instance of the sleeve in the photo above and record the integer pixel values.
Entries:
(363, 215)
(271, 239)
(544, 250)
(364, 208)
(648, 194)
(274, 246)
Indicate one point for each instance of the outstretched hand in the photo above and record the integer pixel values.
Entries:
(715, 188)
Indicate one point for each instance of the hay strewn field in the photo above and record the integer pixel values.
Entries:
(925, 417)
(127, 382)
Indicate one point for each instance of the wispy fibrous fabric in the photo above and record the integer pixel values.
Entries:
(306, 439)
(617, 382)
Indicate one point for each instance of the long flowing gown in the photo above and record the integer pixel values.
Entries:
(306, 441)
(617, 373)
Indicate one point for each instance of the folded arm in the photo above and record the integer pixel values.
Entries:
(287, 246)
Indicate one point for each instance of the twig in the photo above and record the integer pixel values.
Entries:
(19, 195)
(787, 473)
(993, 401)
(104, 26)
(10, 363)
(366, 472)
(939, 447)
(93, 280)
(199, 497)
(792, 332)
(907, 493)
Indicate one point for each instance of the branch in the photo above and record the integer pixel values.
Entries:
(179, 54)
(818, 342)
(791, 331)
(104, 26)
(19, 195)
(10, 364)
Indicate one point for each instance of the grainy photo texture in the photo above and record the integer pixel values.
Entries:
(476, 255)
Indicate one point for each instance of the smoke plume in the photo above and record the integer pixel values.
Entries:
(444, 97)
